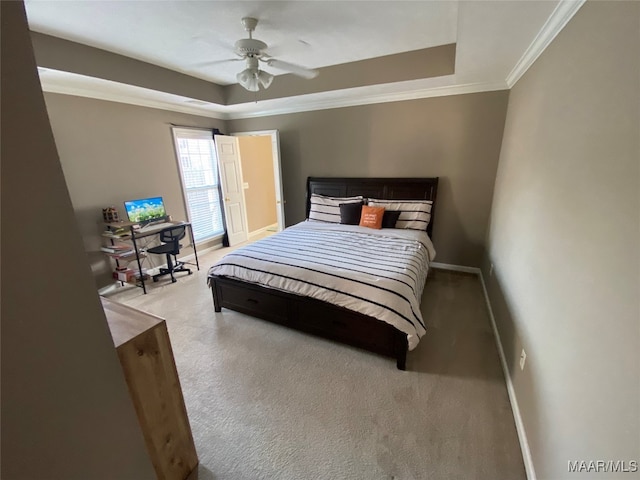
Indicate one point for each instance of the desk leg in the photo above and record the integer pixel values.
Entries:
(193, 242)
(135, 248)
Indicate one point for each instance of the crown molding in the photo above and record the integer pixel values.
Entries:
(131, 100)
(309, 106)
(564, 11)
(295, 105)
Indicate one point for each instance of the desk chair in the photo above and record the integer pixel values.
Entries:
(170, 239)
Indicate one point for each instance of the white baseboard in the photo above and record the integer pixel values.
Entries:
(262, 230)
(522, 434)
(201, 252)
(455, 268)
(108, 289)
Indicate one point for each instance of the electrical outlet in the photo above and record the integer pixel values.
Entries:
(491, 271)
(523, 358)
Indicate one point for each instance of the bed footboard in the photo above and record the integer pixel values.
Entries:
(311, 316)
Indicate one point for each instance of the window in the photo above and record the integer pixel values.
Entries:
(198, 166)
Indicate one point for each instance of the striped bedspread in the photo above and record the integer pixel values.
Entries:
(380, 273)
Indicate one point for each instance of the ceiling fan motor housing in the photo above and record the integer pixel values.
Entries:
(250, 47)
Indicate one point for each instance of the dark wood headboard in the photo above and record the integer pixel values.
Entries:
(385, 188)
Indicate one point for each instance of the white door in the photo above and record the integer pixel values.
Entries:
(277, 171)
(232, 191)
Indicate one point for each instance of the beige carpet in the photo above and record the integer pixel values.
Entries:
(266, 402)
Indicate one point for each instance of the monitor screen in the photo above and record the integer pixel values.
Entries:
(145, 209)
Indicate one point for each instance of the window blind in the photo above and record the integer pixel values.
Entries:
(198, 166)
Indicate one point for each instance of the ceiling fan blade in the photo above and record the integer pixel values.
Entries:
(292, 68)
(216, 62)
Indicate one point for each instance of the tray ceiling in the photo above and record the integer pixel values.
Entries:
(490, 38)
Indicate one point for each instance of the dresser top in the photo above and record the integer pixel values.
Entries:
(126, 322)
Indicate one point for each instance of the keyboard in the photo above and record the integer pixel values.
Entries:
(155, 226)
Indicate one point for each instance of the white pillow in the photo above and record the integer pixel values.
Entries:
(327, 209)
(414, 214)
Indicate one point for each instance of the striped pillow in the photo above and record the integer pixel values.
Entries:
(414, 214)
(327, 209)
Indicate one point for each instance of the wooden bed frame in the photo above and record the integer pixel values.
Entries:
(318, 317)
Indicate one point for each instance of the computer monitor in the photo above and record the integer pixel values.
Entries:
(145, 210)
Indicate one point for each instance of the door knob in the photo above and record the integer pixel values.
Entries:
(226, 199)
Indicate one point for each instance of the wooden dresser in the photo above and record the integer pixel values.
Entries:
(145, 353)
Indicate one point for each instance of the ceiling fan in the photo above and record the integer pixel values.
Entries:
(253, 51)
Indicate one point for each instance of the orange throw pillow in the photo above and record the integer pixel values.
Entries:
(371, 217)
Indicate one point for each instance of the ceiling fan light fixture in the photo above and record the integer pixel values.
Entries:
(252, 78)
(265, 78)
(248, 79)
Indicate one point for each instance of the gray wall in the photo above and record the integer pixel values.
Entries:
(66, 56)
(66, 411)
(456, 138)
(564, 240)
(112, 152)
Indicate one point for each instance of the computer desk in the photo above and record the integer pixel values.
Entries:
(136, 233)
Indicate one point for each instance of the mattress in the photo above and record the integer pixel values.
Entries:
(379, 273)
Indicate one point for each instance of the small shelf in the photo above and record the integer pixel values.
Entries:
(112, 236)
(127, 257)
